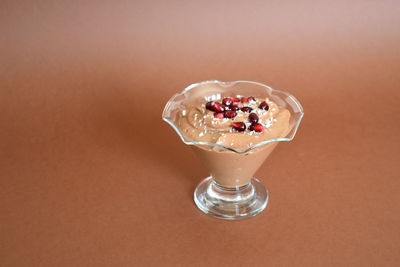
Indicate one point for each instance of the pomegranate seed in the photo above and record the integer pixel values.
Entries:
(234, 107)
(209, 105)
(247, 109)
(219, 115)
(243, 99)
(239, 126)
(253, 118)
(229, 114)
(218, 107)
(264, 106)
(235, 99)
(214, 106)
(256, 127)
(227, 101)
(251, 98)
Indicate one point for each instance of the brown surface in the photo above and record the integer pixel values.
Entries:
(91, 176)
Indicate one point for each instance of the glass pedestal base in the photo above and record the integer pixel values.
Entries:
(231, 203)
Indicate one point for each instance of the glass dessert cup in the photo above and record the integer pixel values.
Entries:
(231, 192)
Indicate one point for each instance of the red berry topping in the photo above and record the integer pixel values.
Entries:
(239, 105)
(235, 99)
(214, 106)
(239, 126)
(264, 106)
(209, 105)
(218, 107)
(234, 107)
(229, 114)
(253, 118)
(243, 99)
(256, 127)
(247, 109)
(251, 98)
(227, 101)
(219, 115)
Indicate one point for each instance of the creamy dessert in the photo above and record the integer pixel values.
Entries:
(237, 122)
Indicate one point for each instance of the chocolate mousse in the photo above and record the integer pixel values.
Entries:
(237, 124)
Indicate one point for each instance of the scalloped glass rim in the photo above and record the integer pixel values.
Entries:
(226, 84)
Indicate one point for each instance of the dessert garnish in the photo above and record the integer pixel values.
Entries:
(230, 106)
(253, 118)
(239, 126)
(214, 106)
(219, 115)
(256, 127)
(264, 105)
(246, 109)
(230, 114)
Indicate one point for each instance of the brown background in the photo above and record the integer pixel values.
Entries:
(91, 176)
